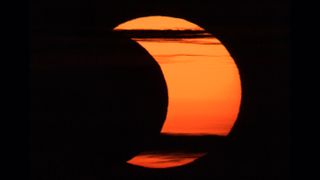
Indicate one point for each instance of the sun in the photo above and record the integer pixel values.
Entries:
(203, 81)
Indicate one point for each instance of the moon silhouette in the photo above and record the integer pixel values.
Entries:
(203, 81)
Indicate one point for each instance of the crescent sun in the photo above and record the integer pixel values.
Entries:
(203, 81)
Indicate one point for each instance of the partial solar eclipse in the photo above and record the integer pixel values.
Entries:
(204, 87)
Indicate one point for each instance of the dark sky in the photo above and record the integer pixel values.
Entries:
(80, 70)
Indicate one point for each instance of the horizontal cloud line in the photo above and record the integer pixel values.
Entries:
(200, 41)
(165, 33)
(174, 55)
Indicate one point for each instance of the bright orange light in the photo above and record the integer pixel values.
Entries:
(164, 160)
(157, 23)
(203, 81)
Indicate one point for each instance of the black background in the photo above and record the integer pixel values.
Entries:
(80, 70)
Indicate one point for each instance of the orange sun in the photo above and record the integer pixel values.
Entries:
(203, 81)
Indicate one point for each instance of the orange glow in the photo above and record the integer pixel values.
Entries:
(157, 23)
(203, 81)
(164, 160)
